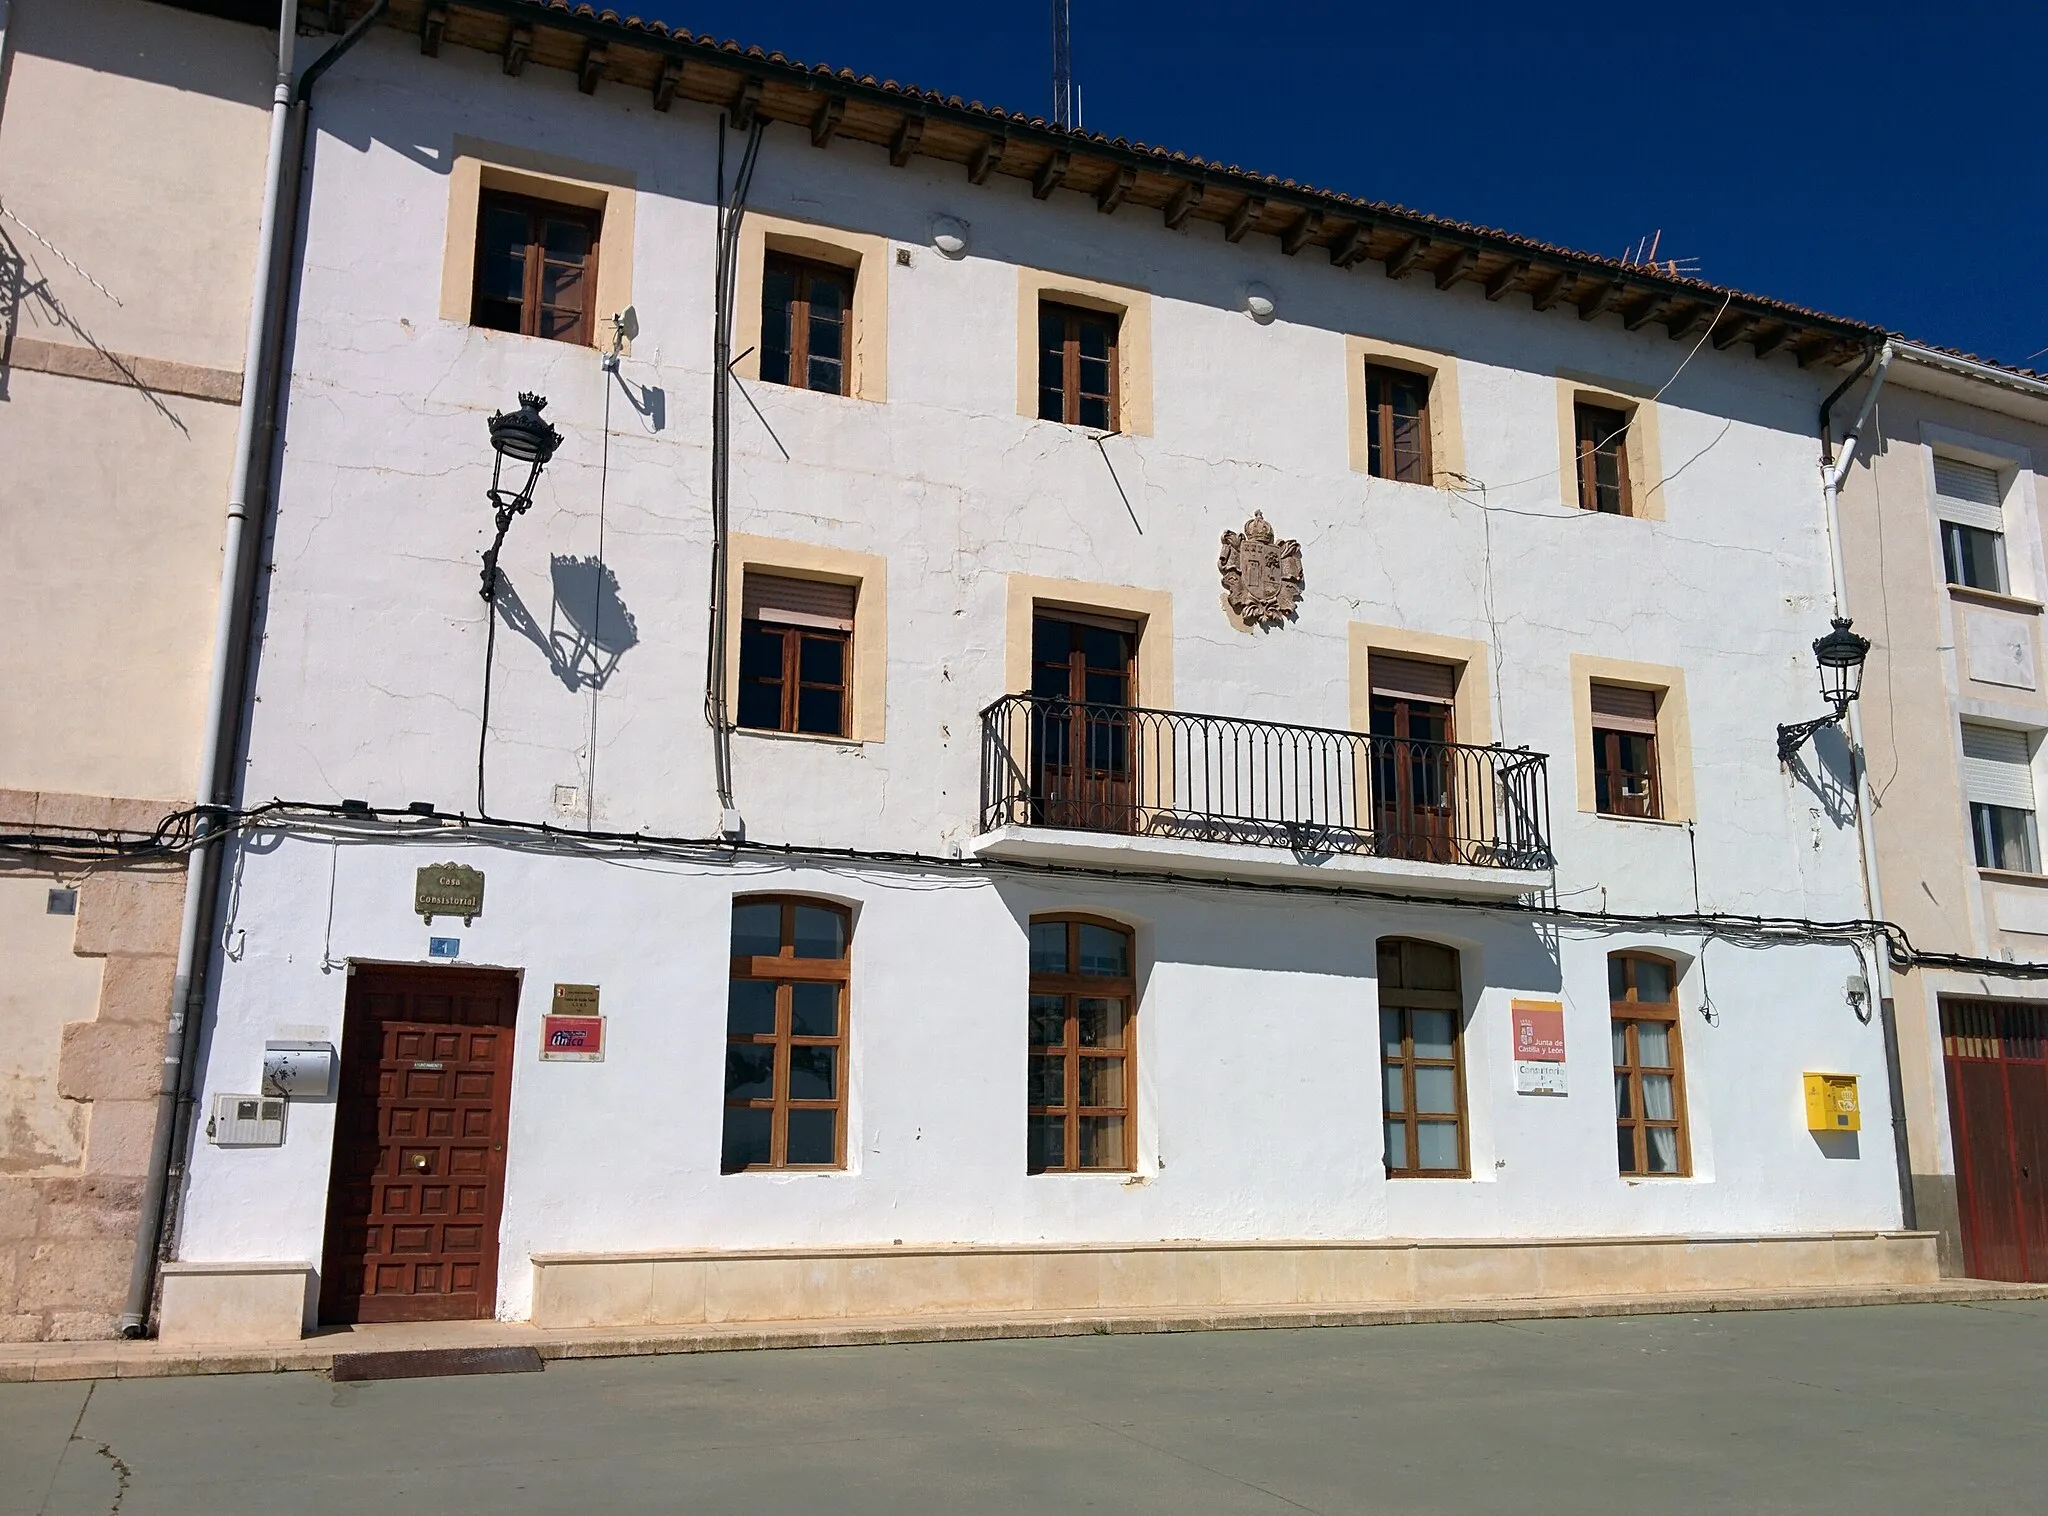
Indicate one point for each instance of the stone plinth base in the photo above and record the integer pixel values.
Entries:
(679, 1288)
(236, 1302)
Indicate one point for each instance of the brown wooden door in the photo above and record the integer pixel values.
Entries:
(418, 1180)
(1413, 801)
(1084, 758)
(1997, 1065)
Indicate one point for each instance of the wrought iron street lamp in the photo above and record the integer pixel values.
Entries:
(1840, 655)
(524, 441)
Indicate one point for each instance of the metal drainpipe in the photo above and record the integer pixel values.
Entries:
(261, 377)
(1833, 472)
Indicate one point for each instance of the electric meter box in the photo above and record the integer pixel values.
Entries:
(1832, 1104)
(247, 1121)
(298, 1070)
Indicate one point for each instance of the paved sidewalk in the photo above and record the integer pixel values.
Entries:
(152, 1360)
(1874, 1411)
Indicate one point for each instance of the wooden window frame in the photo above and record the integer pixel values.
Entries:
(785, 969)
(1628, 1012)
(1406, 1001)
(806, 272)
(1379, 422)
(1071, 395)
(535, 209)
(1607, 747)
(1586, 463)
(791, 682)
(1072, 986)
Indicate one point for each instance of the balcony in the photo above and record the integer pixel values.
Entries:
(1127, 788)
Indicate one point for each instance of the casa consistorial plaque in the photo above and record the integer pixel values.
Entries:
(448, 889)
(1261, 577)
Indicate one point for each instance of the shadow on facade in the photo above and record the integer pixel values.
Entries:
(589, 628)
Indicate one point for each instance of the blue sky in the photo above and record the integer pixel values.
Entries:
(1881, 162)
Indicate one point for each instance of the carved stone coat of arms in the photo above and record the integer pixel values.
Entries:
(1261, 577)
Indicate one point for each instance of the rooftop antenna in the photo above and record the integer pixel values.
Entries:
(1062, 67)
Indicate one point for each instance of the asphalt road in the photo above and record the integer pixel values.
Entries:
(1896, 1408)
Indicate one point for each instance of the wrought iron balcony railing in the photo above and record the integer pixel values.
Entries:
(1173, 774)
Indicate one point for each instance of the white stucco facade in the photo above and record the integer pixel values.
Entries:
(1257, 1115)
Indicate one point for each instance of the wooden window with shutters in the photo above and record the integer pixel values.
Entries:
(796, 655)
(536, 267)
(1422, 1060)
(785, 1035)
(1601, 438)
(1082, 1047)
(1625, 778)
(1077, 366)
(1649, 1080)
(1414, 781)
(1397, 424)
(806, 320)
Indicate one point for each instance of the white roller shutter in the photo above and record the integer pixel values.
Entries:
(1967, 494)
(797, 602)
(1995, 767)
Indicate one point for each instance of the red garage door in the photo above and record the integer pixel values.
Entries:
(1997, 1059)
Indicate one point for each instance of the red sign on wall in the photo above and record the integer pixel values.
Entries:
(1539, 1031)
(572, 1039)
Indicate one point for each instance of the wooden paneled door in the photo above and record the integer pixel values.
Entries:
(418, 1179)
(1996, 1056)
(1083, 741)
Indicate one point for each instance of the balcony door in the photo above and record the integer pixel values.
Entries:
(1084, 675)
(1414, 804)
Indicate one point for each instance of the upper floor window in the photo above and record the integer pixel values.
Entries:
(1625, 751)
(1998, 781)
(785, 1035)
(1967, 498)
(536, 267)
(1080, 1076)
(1649, 1083)
(796, 655)
(1397, 424)
(1601, 444)
(1422, 1059)
(1077, 366)
(805, 313)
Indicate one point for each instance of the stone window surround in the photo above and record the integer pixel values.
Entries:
(867, 698)
(1133, 309)
(1674, 735)
(867, 358)
(1446, 428)
(1643, 446)
(1152, 610)
(476, 165)
(1472, 700)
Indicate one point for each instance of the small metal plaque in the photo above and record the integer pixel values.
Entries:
(448, 889)
(444, 947)
(575, 1000)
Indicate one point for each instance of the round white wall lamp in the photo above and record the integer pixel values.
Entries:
(949, 236)
(1258, 303)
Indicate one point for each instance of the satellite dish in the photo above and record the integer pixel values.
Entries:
(627, 323)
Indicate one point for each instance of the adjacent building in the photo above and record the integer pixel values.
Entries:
(1229, 711)
(1942, 524)
(131, 159)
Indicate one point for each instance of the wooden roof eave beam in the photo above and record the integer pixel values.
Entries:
(1641, 311)
(1115, 189)
(1351, 245)
(1051, 174)
(1731, 329)
(1455, 267)
(1244, 218)
(1186, 200)
(1402, 260)
(1506, 278)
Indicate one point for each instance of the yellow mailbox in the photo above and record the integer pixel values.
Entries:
(1831, 1103)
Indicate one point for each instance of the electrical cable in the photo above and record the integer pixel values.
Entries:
(372, 825)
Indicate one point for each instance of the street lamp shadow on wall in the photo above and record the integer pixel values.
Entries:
(1840, 655)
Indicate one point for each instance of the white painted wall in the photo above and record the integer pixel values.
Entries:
(1258, 1110)
(370, 674)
